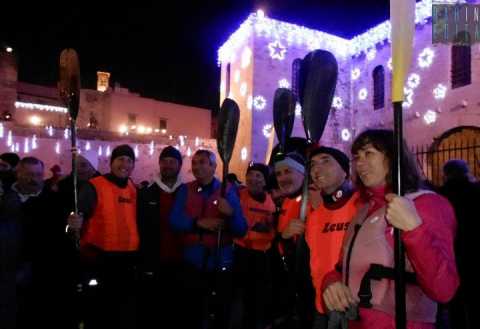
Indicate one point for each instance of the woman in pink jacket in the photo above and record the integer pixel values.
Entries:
(363, 278)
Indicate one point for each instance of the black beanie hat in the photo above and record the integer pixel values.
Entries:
(263, 169)
(11, 158)
(338, 155)
(122, 150)
(171, 152)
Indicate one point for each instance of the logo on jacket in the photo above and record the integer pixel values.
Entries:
(329, 227)
(121, 199)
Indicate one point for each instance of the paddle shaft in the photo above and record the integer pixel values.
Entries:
(399, 252)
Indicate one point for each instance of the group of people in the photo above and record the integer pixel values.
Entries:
(206, 254)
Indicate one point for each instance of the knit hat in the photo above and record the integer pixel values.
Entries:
(338, 155)
(263, 169)
(293, 159)
(11, 158)
(171, 152)
(122, 150)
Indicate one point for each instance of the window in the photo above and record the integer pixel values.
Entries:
(378, 87)
(132, 119)
(163, 124)
(461, 66)
(296, 76)
(227, 81)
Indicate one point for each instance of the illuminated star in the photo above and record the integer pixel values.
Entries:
(277, 50)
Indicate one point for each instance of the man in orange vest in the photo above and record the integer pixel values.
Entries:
(251, 262)
(327, 223)
(109, 242)
(199, 212)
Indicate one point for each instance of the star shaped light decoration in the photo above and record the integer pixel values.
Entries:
(277, 50)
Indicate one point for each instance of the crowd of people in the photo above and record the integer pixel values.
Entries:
(210, 254)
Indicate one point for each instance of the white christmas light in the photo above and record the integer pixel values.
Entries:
(35, 120)
(362, 94)
(277, 50)
(189, 152)
(197, 141)
(280, 31)
(390, 64)
(12, 148)
(243, 89)
(1, 130)
(267, 130)
(259, 103)
(151, 148)
(87, 146)
(9, 138)
(236, 76)
(249, 102)
(408, 98)
(337, 103)
(141, 130)
(57, 147)
(182, 140)
(355, 74)
(17, 147)
(246, 57)
(108, 151)
(283, 83)
(413, 80)
(244, 153)
(34, 142)
(65, 133)
(346, 135)
(260, 14)
(222, 87)
(50, 131)
(430, 117)
(26, 146)
(298, 110)
(100, 151)
(440, 91)
(371, 54)
(136, 151)
(425, 58)
(9, 49)
(40, 107)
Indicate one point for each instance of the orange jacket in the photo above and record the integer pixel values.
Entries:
(324, 232)
(113, 225)
(257, 213)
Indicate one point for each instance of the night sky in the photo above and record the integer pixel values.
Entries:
(168, 54)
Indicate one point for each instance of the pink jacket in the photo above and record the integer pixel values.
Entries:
(429, 249)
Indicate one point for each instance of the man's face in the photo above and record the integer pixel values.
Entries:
(85, 170)
(289, 180)
(327, 175)
(202, 168)
(30, 178)
(169, 168)
(122, 166)
(255, 182)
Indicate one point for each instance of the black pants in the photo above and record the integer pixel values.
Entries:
(207, 299)
(320, 321)
(112, 303)
(252, 291)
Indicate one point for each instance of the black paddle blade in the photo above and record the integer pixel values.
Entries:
(283, 114)
(318, 78)
(69, 81)
(228, 118)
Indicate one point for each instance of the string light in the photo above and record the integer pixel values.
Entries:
(355, 74)
(136, 151)
(440, 91)
(87, 146)
(57, 147)
(430, 117)
(259, 103)
(346, 135)
(243, 89)
(413, 80)
(362, 94)
(267, 130)
(9, 138)
(1, 130)
(425, 59)
(100, 151)
(151, 148)
(371, 54)
(246, 57)
(34, 142)
(26, 145)
(108, 151)
(390, 64)
(249, 102)
(337, 103)
(283, 83)
(298, 110)
(40, 107)
(244, 153)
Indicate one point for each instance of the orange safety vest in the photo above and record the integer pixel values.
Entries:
(256, 212)
(113, 225)
(324, 232)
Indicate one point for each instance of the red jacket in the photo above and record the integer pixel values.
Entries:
(429, 248)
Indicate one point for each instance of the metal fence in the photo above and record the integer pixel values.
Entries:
(431, 159)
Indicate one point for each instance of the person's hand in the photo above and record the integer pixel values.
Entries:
(210, 223)
(401, 213)
(74, 224)
(224, 207)
(338, 297)
(294, 227)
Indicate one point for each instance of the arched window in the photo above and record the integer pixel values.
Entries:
(378, 87)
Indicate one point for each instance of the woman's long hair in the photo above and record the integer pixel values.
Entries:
(382, 140)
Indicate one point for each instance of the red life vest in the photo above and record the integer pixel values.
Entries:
(197, 206)
(256, 212)
(113, 225)
(369, 245)
(324, 233)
